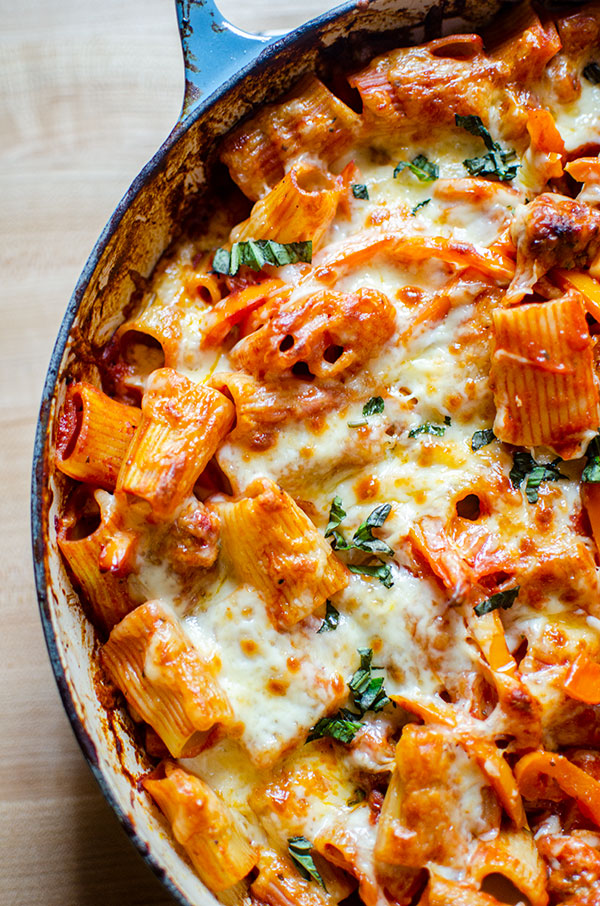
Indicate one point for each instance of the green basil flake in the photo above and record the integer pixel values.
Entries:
(592, 72)
(337, 513)
(332, 618)
(591, 472)
(359, 424)
(493, 164)
(428, 428)
(221, 261)
(474, 125)
(357, 797)
(482, 439)
(367, 690)
(504, 599)
(359, 190)
(338, 542)
(420, 205)
(255, 253)
(300, 850)
(523, 463)
(374, 406)
(381, 571)
(525, 466)
(425, 170)
(363, 537)
(342, 726)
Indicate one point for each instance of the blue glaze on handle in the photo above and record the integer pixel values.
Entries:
(213, 49)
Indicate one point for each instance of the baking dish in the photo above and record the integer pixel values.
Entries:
(227, 74)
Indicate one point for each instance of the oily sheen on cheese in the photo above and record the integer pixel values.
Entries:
(346, 574)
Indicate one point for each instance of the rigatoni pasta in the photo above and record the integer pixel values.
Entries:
(333, 488)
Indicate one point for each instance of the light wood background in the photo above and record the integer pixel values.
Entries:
(88, 90)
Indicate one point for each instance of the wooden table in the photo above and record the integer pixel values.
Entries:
(88, 90)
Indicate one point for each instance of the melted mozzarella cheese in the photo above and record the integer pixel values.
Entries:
(579, 121)
(280, 683)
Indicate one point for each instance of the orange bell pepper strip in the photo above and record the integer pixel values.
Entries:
(584, 283)
(584, 169)
(583, 680)
(571, 779)
(233, 308)
(421, 248)
(488, 632)
(498, 772)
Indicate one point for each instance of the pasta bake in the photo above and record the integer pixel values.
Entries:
(334, 487)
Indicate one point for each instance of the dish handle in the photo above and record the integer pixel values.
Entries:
(213, 49)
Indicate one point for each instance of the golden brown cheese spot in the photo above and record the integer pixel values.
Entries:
(278, 687)
(367, 487)
(249, 647)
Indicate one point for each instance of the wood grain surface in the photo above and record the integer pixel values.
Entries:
(88, 90)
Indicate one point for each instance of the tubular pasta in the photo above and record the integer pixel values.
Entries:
(93, 435)
(163, 677)
(300, 207)
(514, 855)
(431, 82)
(331, 332)
(273, 545)
(102, 561)
(256, 153)
(442, 892)
(543, 376)
(279, 884)
(421, 819)
(182, 425)
(208, 830)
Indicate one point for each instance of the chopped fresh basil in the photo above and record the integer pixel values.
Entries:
(359, 795)
(523, 463)
(332, 618)
(221, 260)
(425, 170)
(338, 542)
(300, 850)
(591, 472)
(541, 473)
(430, 428)
(381, 571)
(367, 690)
(359, 190)
(337, 513)
(525, 466)
(482, 439)
(474, 125)
(592, 72)
(374, 406)
(255, 253)
(363, 537)
(504, 599)
(420, 205)
(342, 726)
(492, 164)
